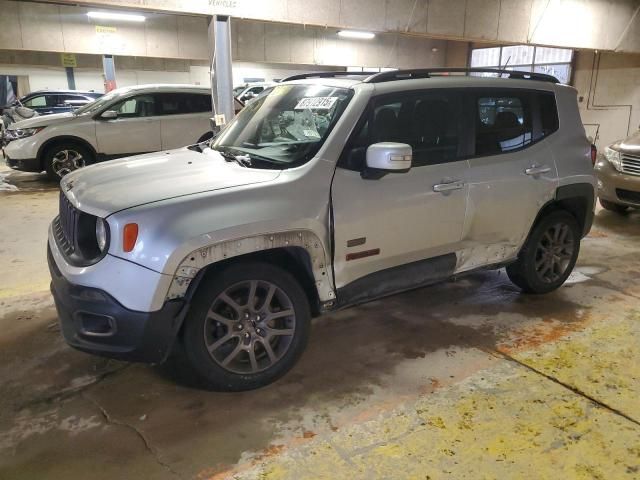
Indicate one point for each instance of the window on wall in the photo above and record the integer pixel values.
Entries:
(552, 61)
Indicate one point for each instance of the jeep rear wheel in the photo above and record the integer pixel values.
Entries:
(549, 254)
(247, 327)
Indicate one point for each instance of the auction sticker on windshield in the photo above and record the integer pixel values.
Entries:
(318, 103)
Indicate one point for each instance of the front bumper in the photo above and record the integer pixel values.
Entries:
(93, 321)
(21, 154)
(24, 165)
(617, 187)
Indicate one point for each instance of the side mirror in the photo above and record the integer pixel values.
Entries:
(109, 115)
(387, 157)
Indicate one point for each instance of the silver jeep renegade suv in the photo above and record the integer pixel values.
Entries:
(326, 191)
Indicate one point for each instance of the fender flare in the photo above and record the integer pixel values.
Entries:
(208, 255)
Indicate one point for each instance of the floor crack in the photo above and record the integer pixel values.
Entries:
(571, 388)
(147, 445)
(68, 393)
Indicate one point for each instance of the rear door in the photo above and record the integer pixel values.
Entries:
(512, 173)
(184, 118)
(402, 217)
(135, 130)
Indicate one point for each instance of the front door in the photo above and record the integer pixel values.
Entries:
(135, 130)
(401, 218)
(513, 173)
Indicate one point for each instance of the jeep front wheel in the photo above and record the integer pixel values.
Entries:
(248, 325)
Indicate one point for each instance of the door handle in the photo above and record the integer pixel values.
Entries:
(447, 187)
(537, 170)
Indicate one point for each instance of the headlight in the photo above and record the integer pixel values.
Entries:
(101, 233)
(613, 157)
(22, 132)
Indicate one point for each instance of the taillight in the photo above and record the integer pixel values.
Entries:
(129, 236)
(594, 154)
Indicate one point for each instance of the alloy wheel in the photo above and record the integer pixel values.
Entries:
(66, 161)
(554, 252)
(249, 326)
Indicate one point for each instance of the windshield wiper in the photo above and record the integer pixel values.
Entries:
(228, 156)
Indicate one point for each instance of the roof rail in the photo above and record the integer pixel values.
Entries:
(301, 76)
(392, 75)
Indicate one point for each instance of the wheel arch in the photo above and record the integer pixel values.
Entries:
(63, 139)
(294, 260)
(578, 199)
(300, 252)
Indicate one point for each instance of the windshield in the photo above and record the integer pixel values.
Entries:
(238, 90)
(93, 107)
(285, 125)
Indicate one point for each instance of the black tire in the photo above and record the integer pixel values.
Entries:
(52, 154)
(543, 266)
(245, 371)
(613, 207)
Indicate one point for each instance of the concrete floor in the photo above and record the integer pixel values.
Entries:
(468, 379)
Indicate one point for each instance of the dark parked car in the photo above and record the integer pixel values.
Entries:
(46, 102)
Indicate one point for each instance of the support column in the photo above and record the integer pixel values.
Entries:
(109, 69)
(71, 79)
(221, 74)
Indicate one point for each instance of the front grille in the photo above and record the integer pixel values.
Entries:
(628, 196)
(65, 226)
(631, 163)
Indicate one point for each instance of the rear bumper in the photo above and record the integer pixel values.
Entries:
(93, 321)
(617, 187)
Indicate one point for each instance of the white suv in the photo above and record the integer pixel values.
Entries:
(325, 192)
(126, 121)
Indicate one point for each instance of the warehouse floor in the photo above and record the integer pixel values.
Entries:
(468, 379)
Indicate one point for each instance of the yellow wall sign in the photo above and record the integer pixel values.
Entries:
(103, 29)
(69, 60)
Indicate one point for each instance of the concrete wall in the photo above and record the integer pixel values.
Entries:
(56, 28)
(43, 71)
(593, 24)
(609, 92)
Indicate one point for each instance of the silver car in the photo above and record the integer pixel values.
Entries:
(325, 192)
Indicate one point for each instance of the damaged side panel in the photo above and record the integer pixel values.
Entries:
(202, 257)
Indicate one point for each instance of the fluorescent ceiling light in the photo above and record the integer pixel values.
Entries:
(356, 34)
(127, 17)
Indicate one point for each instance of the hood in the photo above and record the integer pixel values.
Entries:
(43, 121)
(630, 144)
(116, 185)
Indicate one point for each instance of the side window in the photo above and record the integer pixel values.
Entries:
(39, 101)
(138, 106)
(65, 100)
(503, 123)
(548, 113)
(169, 103)
(197, 103)
(255, 90)
(429, 122)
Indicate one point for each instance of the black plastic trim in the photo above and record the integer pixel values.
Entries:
(580, 190)
(397, 279)
(137, 336)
